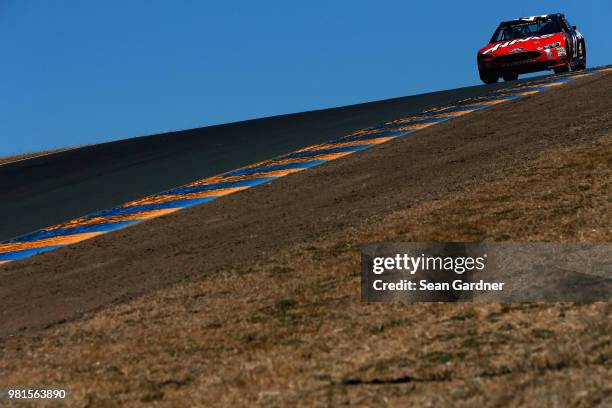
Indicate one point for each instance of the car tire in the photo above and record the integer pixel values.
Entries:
(510, 76)
(489, 78)
(583, 57)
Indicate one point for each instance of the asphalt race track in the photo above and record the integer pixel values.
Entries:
(51, 189)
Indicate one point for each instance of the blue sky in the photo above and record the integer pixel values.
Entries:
(79, 72)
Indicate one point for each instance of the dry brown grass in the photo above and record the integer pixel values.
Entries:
(566, 196)
(292, 331)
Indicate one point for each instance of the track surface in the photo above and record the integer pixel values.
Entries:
(253, 225)
(51, 189)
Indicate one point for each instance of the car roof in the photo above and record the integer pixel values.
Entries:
(524, 20)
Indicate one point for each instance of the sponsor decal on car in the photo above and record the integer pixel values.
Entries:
(533, 18)
(520, 40)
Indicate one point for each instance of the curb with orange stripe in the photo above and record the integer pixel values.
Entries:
(212, 188)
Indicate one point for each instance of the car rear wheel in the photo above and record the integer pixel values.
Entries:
(510, 76)
(582, 55)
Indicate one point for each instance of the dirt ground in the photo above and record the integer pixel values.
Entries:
(254, 299)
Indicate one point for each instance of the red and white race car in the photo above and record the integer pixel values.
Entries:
(532, 44)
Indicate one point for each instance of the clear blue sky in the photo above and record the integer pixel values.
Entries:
(76, 72)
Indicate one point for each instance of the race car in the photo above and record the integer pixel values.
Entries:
(531, 44)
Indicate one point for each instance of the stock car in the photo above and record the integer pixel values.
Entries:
(531, 44)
